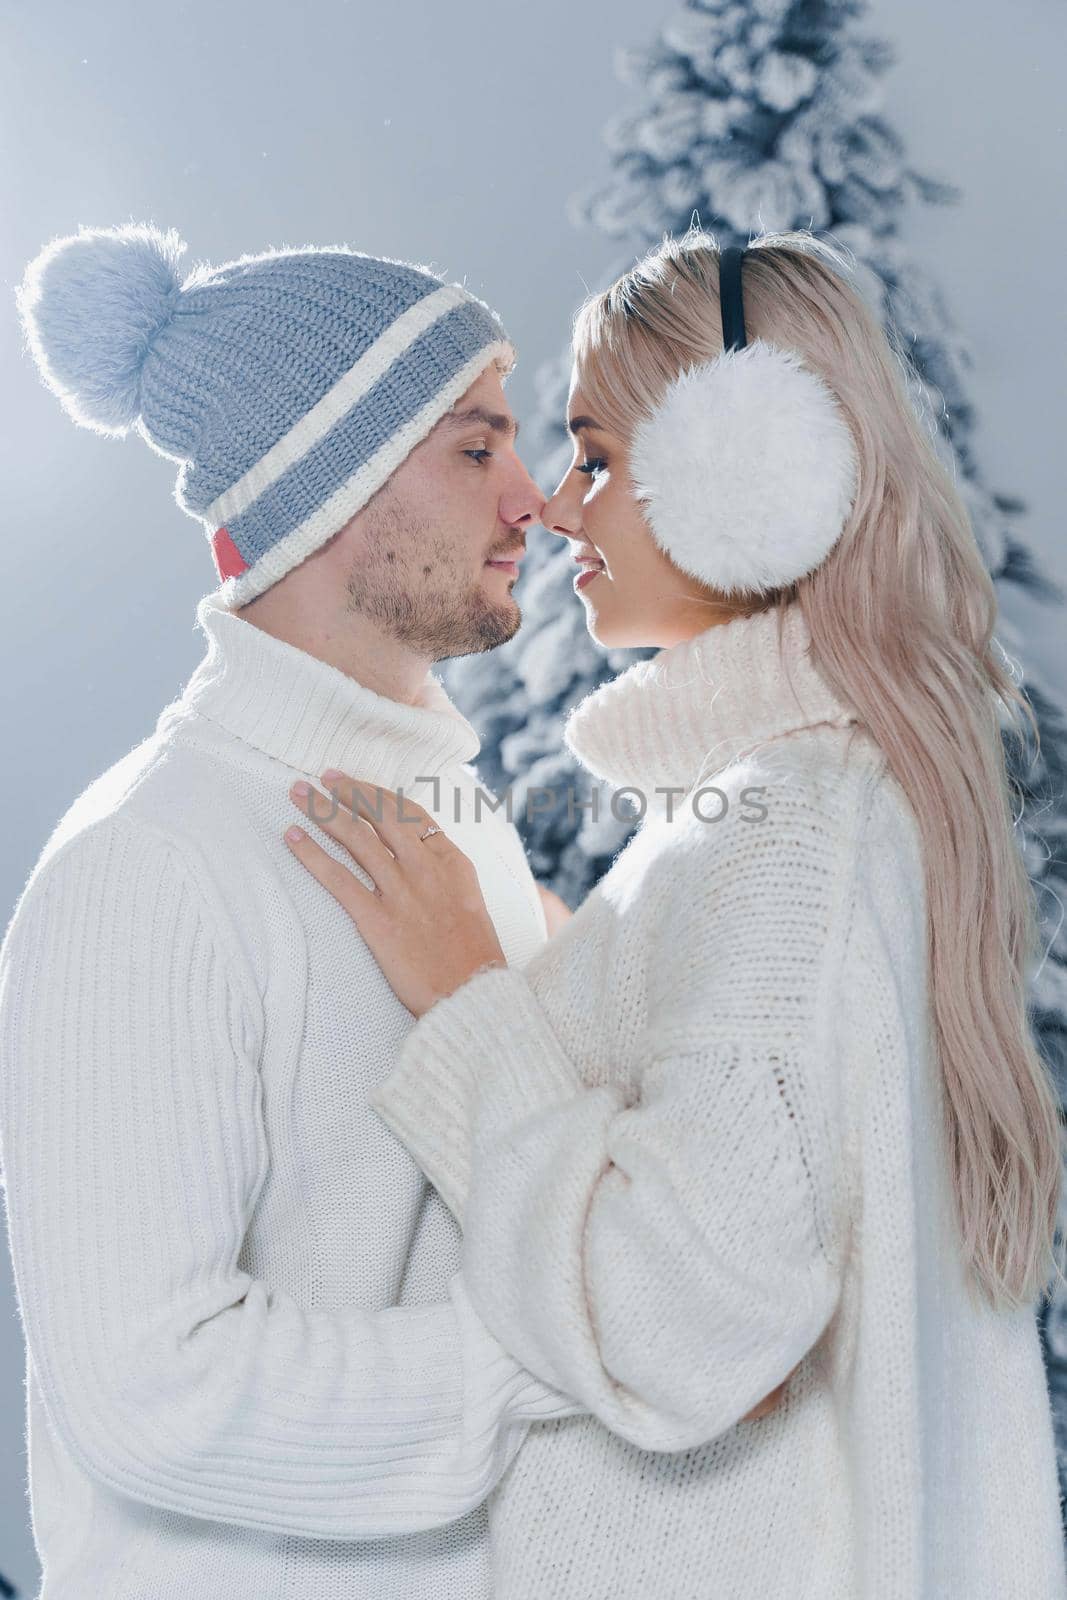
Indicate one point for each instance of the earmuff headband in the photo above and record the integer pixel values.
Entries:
(733, 311)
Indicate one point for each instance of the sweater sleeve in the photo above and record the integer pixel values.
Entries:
(665, 1245)
(134, 1151)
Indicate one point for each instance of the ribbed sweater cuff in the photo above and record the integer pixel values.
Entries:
(486, 1048)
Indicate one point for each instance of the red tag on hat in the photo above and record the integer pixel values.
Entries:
(229, 561)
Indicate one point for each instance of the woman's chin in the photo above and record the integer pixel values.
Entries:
(623, 633)
(610, 625)
(611, 633)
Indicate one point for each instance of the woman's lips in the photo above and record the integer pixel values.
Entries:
(588, 573)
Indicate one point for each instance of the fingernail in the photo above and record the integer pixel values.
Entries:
(301, 788)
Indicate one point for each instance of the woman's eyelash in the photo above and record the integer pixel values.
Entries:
(480, 456)
(589, 467)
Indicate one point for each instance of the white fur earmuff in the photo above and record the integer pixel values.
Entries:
(747, 469)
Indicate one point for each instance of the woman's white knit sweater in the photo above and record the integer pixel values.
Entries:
(695, 1140)
(253, 1371)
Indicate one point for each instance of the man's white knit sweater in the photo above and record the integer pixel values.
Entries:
(253, 1371)
(695, 1140)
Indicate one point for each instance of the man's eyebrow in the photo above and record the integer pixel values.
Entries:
(496, 420)
(576, 424)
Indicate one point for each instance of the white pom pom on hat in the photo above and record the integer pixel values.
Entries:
(90, 304)
(747, 469)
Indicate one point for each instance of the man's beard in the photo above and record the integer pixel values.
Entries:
(408, 584)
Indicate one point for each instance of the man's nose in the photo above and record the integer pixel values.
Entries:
(523, 501)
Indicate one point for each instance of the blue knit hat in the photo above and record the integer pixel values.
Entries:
(290, 385)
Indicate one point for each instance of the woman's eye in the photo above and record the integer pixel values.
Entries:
(481, 456)
(591, 467)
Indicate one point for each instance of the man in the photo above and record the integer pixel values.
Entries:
(252, 1366)
(253, 1369)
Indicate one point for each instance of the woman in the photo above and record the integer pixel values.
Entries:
(768, 1103)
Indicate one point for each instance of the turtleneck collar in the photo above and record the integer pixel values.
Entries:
(310, 715)
(680, 716)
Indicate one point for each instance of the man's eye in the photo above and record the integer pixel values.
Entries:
(591, 467)
(481, 456)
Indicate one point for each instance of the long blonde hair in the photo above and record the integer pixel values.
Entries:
(901, 617)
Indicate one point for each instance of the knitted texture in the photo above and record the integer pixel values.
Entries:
(695, 1141)
(253, 1366)
(290, 384)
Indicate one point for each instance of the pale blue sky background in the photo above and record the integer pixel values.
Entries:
(452, 138)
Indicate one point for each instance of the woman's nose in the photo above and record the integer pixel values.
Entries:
(558, 515)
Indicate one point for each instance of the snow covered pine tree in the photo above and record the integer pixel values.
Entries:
(768, 110)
